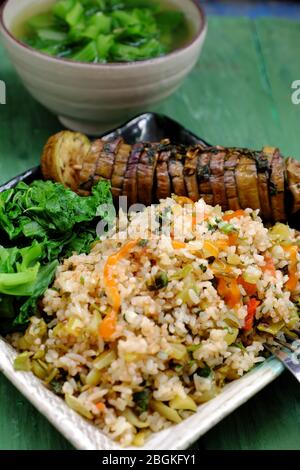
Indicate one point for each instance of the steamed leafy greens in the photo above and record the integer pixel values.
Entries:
(40, 224)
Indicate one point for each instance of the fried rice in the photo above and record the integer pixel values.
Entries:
(162, 314)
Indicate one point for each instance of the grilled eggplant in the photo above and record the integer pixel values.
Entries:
(64, 156)
(217, 177)
(130, 180)
(293, 178)
(203, 176)
(276, 183)
(263, 175)
(246, 181)
(119, 170)
(230, 163)
(146, 172)
(88, 173)
(190, 173)
(106, 160)
(176, 172)
(163, 181)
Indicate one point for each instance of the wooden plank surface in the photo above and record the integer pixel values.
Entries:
(239, 94)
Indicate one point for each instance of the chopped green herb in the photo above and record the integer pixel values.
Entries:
(239, 345)
(159, 281)
(226, 227)
(204, 371)
(203, 268)
(142, 400)
(193, 347)
(56, 386)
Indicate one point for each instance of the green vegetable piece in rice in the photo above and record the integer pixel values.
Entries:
(132, 419)
(226, 227)
(239, 345)
(203, 268)
(159, 281)
(23, 362)
(271, 328)
(78, 406)
(56, 386)
(231, 336)
(182, 273)
(142, 400)
(40, 369)
(166, 411)
(187, 403)
(204, 371)
(193, 347)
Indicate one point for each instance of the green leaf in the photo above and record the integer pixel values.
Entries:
(62, 8)
(44, 279)
(87, 53)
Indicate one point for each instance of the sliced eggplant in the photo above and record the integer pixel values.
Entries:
(163, 182)
(175, 168)
(208, 198)
(190, 173)
(88, 172)
(276, 184)
(263, 165)
(230, 163)
(203, 174)
(119, 170)
(246, 181)
(130, 180)
(217, 177)
(145, 174)
(293, 183)
(106, 161)
(63, 158)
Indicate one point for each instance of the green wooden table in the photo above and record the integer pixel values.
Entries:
(239, 94)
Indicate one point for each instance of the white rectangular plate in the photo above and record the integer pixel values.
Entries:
(85, 436)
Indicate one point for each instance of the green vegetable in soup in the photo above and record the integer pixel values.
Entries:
(102, 31)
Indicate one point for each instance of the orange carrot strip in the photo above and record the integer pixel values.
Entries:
(238, 213)
(222, 244)
(251, 311)
(178, 245)
(229, 290)
(269, 265)
(108, 325)
(232, 239)
(292, 282)
(249, 288)
(100, 406)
